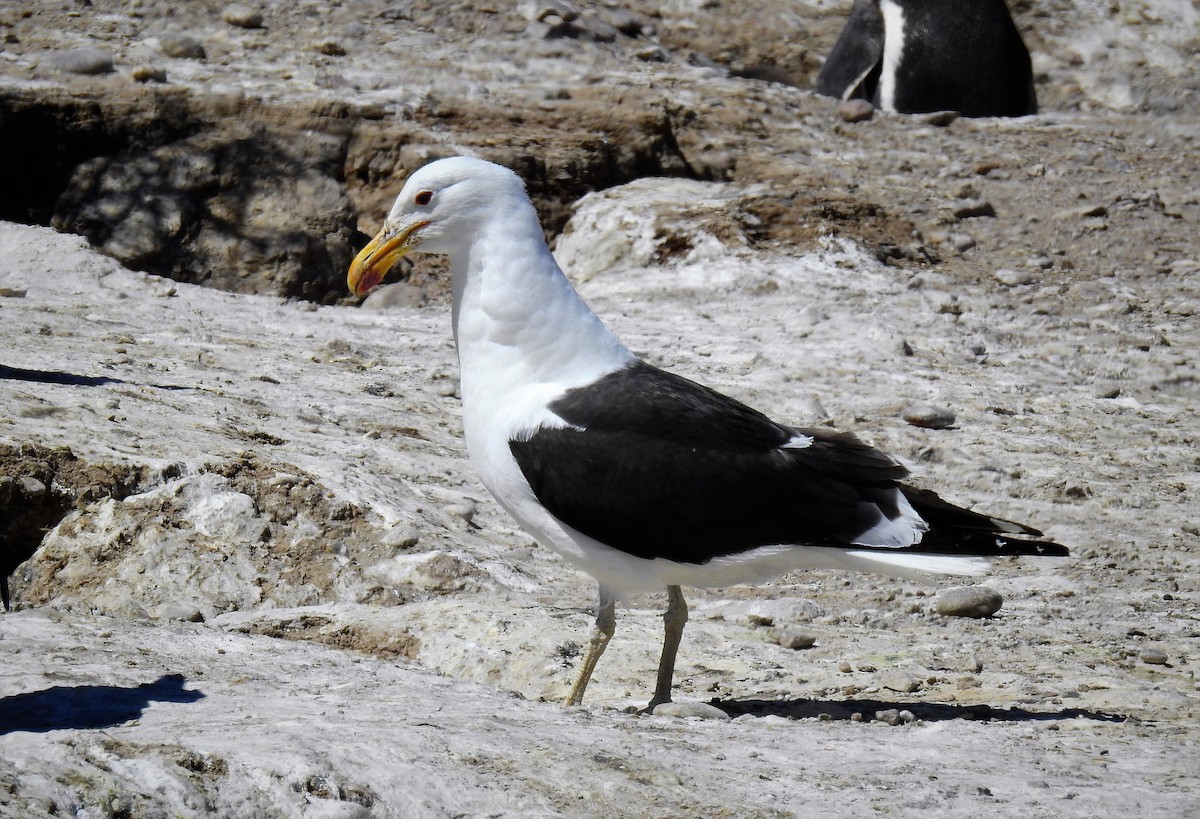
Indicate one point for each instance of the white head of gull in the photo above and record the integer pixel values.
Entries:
(641, 478)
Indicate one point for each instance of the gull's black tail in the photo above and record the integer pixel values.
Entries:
(958, 531)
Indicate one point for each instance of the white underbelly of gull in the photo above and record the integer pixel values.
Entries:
(642, 478)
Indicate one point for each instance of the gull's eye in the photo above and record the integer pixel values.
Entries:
(423, 197)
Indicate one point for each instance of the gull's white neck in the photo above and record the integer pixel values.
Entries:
(523, 334)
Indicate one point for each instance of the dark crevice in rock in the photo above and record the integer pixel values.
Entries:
(39, 486)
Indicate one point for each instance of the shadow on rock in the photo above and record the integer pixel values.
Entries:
(54, 377)
(924, 711)
(72, 380)
(88, 706)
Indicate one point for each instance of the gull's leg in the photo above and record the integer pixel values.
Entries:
(674, 619)
(606, 624)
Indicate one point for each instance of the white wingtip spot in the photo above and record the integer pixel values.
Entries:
(798, 442)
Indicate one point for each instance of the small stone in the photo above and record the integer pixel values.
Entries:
(464, 509)
(1042, 262)
(792, 638)
(1106, 390)
(929, 416)
(177, 610)
(624, 21)
(401, 536)
(966, 683)
(970, 208)
(949, 305)
(330, 48)
(13, 293)
(557, 11)
(1153, 656)
(653, 54)
(1013, 278)
(969, 601)
(182, 47)
(961, 242)
(599, 31)
(32, 487)
(88, 60)
(940, 119)
(397, 295)
(899, 680)
(891, 716)
(845, 667)
(855, 110)
(699, 710)
(148, 73)
(242, 17)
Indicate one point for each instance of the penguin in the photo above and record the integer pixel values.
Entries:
(920, 56)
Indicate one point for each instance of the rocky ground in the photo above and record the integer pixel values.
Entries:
(255, 574)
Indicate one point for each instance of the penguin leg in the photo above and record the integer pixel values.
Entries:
(674, 619)
(606, 625)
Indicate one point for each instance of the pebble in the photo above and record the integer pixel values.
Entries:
(149, 73)
(625, 22)
(969, 601)
(845, 667)
(940, 119)
(396, 295)
(182, 46)
(792, 638)
(561, 11)
(242, 17)
(968, 208)
(855, 110)
(1013, 278)
(401, 536)
(653, 54)
(330, 48)
(32, 487)
(464, 509)
(899, 680)
(13, 293)
(1083, 212)
(929, 416)
(178, 610)
(88, 60)
(894, 716)
(700, 710)
(961, 242)
(1153, 656)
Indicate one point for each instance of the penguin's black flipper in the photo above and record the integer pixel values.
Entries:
(852, 68)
